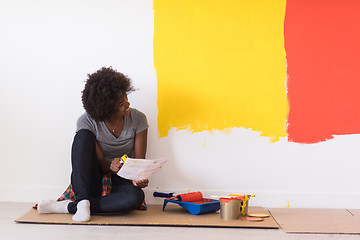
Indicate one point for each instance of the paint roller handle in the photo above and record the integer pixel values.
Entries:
(163, 195)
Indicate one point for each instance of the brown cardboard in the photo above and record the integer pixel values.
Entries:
(354, 212)
(299, 220)
(173, 215)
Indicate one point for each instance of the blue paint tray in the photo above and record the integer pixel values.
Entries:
(206, 205)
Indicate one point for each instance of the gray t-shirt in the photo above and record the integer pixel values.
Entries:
(110, 145)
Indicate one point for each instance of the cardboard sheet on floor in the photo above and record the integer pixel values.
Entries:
(299, 220)
(173, 215)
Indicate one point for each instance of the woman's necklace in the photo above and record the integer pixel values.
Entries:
(115, 126)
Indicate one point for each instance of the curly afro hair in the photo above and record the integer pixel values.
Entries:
(103, 91)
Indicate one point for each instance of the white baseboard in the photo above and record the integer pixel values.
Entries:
(281, 199)
(264, 199)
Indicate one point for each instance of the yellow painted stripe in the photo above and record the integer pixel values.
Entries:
(221, 64)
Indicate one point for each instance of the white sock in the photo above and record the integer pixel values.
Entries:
(52, 206)
(83, 211)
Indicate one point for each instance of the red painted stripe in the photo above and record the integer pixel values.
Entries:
(322, 42)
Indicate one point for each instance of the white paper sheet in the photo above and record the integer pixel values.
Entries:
(138, 169)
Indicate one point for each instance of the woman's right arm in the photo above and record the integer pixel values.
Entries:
(107, 167)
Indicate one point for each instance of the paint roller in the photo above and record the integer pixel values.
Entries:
(190, 197)
(185, 197)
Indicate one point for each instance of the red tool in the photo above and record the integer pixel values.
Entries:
(185, 197)
(189, 197)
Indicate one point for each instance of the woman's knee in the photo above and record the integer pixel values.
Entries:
(84, 141)
(84, 136)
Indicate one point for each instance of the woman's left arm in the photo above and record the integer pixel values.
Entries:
(140, 144)
(140, 152)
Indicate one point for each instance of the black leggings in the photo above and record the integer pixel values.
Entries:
(86, 180)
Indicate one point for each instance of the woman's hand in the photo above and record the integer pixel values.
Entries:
(141, 183)
(116, 165)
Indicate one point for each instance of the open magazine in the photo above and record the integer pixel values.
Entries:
(138, 169)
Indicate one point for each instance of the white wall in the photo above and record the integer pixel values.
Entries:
(46, 50)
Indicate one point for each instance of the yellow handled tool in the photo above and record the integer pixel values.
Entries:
(123, 158)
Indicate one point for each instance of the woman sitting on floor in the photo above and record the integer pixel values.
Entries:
(106, 131)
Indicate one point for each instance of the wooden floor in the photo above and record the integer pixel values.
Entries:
(9, 229)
